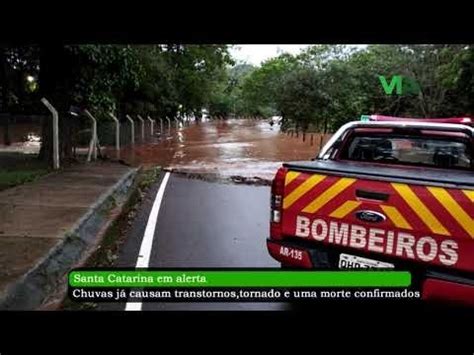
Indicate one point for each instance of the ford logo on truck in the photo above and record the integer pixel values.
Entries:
(370, 216)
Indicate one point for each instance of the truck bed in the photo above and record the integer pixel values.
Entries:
(415, 175)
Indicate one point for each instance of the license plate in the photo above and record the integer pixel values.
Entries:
(347, 261)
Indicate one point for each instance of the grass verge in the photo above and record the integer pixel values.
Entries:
(17, 169)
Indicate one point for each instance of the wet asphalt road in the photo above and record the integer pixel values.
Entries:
(211, 224)
(204, 224)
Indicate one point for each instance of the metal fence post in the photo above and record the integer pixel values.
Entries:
(55, 132)
(143, 127)
(133, 129)
(161, 126)
(93, 142)
(169, 124)
(151, 125)
(117, 131)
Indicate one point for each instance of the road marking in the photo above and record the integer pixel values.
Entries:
(145, 249)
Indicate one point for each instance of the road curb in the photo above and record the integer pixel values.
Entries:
(33, 288)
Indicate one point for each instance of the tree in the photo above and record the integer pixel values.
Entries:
(180, 75)
(348, 84)
(261, 87)
(226, 97)
(56, 82)
(302, 97)
(17, 95)
(146, 79)
(4, 94)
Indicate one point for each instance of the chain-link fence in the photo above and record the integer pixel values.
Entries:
(106, 131)
(129, 134)
(22, 134)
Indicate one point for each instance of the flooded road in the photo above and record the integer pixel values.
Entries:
(245, 148)
(212, 223)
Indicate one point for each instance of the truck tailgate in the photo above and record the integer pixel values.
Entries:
(416, 216)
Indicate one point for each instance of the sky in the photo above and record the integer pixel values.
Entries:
(256, 53)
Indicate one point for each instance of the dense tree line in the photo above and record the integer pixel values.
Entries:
(319, 89)
(157, 80)
(328, 85)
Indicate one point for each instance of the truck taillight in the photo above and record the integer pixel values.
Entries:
(277, 200)
(276, 216)
(278, 185)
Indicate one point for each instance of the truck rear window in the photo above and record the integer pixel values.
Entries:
(442, 152)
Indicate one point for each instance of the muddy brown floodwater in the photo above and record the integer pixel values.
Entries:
(225, 148)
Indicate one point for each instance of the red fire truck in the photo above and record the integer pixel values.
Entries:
(384, 192)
